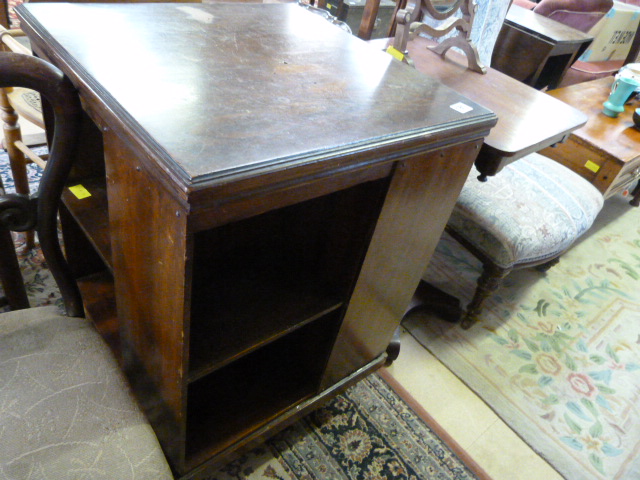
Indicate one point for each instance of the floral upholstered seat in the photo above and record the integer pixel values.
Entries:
(527, 215)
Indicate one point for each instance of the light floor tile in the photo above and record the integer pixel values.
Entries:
(504, 456)
(464, 416)
(454, 406)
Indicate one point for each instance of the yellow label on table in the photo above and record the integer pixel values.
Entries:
(594, 167)
(79, 191)
(395, 53)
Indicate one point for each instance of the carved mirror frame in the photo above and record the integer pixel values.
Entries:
(408, 26)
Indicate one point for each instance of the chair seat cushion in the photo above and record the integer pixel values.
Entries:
(531, 211)
(65, 409)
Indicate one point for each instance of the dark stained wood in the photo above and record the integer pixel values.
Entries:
(535, 49)
(606, 150)
(528, 120)
(19, 70)
(100, 306)
(151, 255)
(296, 124)
(242, 206)
(92, 214)
(4, 14)
(10, 273)
(422, 187)
(369, 16)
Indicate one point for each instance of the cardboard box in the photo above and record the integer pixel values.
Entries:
(613, 34)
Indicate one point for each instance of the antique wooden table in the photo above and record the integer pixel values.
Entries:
(606, 151)
(264, 193)
(535, 49)
(528, 120)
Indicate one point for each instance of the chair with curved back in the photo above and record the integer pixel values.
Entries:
(16, 103)
(67, 411)
(526, 216)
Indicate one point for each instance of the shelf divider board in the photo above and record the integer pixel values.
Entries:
(92, 215)
(236, 400)
(253, 312)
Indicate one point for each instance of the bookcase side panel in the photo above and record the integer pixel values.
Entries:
(151, 255)
(422, 194)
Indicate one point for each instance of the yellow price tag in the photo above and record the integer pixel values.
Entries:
(594, 167)
(395, 53)
(79, 191)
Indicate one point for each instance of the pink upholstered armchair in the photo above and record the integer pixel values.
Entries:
(583, 15)
(579, 14)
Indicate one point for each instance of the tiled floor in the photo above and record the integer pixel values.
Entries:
(479, 431)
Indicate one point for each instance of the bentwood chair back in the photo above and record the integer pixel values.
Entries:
(15, 103)
(67, 411)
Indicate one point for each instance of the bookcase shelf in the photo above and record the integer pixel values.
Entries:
(249, 250)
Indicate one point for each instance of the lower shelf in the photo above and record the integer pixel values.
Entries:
(229, 404)
(98, 296)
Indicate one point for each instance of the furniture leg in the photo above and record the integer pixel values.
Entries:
(546, 266)
(635, 194)
(10, 275)
(432, 299)
(393, 350)
(17, 159)
(489, 281)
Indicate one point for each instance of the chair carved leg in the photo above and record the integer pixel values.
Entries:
(489, 281)
(17, 160)
(546, 266)
(635, 196)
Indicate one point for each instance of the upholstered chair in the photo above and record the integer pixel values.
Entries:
(579, 14)
(583, 15)
(66, 411)
(526, 216)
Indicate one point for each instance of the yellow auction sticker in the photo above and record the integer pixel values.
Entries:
(395, 53)
(594, 167)
(79, 191)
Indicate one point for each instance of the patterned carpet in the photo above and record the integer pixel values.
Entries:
(556, 356)
(367, 433)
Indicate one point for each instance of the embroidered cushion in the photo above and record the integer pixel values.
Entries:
(65, 409)
(532, 210)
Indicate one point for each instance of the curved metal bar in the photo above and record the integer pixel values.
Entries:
(18, 70)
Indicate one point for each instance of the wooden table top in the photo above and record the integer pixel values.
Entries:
(528, 120)
(223, 91)
(615, 136)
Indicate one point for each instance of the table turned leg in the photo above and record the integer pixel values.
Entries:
(432, 299)
(635, 196)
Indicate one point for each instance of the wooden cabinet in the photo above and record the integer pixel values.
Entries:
(605, 151)
(249, 261)
(535, 49)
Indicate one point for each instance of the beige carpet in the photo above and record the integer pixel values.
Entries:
(557, 356)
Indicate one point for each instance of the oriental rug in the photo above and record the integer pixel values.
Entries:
(556, 355)
(369, 432)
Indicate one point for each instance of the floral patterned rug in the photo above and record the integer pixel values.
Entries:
(557, 356)
(369, 432)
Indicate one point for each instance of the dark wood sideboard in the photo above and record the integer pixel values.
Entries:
(265, 192)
